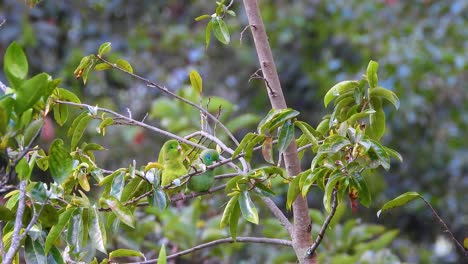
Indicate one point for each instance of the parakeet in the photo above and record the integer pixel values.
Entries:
(203, 182)
(171, 158)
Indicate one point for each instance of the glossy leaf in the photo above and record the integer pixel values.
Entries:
(372, 78)
(196, 81)
(234, 221)
(246, 140)
(49, 215)
(60, 161)
(117, 186)
(57, 229)
(308, 131)
(123, 252)
(286, 136)
(30, 91)
(159, 199)
(220, 30)
(385, 94)
(363, 190)
(228, 210)
(97, 231)
(75, 123)
(104, 48)
(60, 113)
(123, 213)
(339, 89)
(279, 119)
(15, 64)
(34, 251)
(293, 192)
(332, 182)
(208, 29)
(123, 64)
(399, 201)
(199, 18)
(247, 207)
(79, 131)
(102, 67)
(6, 214)
(334, 144)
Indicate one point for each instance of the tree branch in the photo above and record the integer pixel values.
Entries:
(301, 238)
(2, 246)
(166, 91)
(278, 214)
(15, 239)
(311, 252)
(261, 240)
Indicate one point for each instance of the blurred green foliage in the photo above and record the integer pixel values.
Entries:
(420, 45)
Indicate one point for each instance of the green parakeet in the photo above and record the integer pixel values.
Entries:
(171, 158)
(203, 182)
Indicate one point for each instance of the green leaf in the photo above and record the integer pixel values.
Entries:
(159, 199)
(162, 259)
(248, 150)
(123, 64)
(6, 106)
(15, 65)
(363, 190)
(196, 81)
(60, 113)
(30, 91)
(79, 131)
(293, 192)
(248, 209)
(386, 94)
(123, 252)
(199, 18)
(6, 214)
(97, 231)
(332, 181)
(104, 48)
(209, 26)
(23, 170)
(267, 150)
(399, 201)
(221, 31)
(334, 144)
(307, 130)
(49, 216)
(57, 229)
(102, 67)
(279, 119)
(372, 78)
(228, 210)
(339, 89)
(60, 162)
(234, 221)
(123, 213)
(65, 95)
(34, 251)
(465, 242)
(32, 129)
(286, 136)
(104, 124)
(245, 141)
(37, 191)
(55, 257)
(311, 178)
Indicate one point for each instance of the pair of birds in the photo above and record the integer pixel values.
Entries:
(172, 158)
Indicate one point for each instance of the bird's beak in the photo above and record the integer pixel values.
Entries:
(179, 148)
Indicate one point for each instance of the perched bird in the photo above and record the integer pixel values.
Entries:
(203, 182)
(172, 160)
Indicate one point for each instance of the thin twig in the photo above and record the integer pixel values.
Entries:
(446, 229)
(261, 240)
(225, 176)
(311, 251)
(167, 91)
(278, 213)
(134, 122)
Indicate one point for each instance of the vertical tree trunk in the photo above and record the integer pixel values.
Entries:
(301, 236)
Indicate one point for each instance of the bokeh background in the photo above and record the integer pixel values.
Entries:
(421, 46)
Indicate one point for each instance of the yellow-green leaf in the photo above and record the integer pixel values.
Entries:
(196, 81)
(125, 65)
(104, 48)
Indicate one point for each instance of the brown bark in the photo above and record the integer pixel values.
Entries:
(300, 236)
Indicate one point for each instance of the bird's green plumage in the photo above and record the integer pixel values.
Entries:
(203, 182)
(172, 160)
